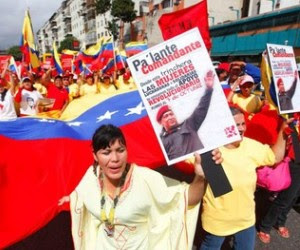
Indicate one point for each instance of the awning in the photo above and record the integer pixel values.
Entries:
(254, 44)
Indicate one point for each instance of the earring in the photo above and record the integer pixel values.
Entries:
(95, 165)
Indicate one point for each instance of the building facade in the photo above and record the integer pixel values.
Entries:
(79, 18)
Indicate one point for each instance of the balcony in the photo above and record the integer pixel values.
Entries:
(53, 23)
(54, 28)
(82, 13)
(67, 31)
(67, 17)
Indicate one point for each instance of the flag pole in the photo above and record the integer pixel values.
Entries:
(115, 64)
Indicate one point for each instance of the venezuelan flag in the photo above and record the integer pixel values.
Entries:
(133, 48)
(118, 63)
(70, 52)
(27, 45)
(42, 160)
(107, 48)
(57, 62)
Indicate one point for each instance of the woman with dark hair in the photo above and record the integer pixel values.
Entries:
(234, 213)
(119, 205)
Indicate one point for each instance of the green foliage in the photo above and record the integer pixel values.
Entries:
(15, 52)
(113, 28)
(102, 6)
(124, 10)
(67, 43)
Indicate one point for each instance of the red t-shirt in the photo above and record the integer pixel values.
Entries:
(61, 96)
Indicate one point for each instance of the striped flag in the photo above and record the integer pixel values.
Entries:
(27, 45)
(56, 58)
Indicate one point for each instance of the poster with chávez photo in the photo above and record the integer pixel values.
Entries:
(183, 97)
(285, 77)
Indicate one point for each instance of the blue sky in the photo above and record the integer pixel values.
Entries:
(12, 15)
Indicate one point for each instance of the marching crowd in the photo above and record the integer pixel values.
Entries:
(230, 214)
(41, 92)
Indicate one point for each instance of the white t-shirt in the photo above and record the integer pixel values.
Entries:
(7, 108)
(29, 101)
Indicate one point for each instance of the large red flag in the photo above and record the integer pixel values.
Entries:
(175, 23)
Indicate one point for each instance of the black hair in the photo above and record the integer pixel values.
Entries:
(105, 136)
(58, 76)
(235, 110)
(220, 71)
(3, 94)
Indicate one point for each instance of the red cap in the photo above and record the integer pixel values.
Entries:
(225, 66)
(89, 75)
(161, 111)
(126, 76)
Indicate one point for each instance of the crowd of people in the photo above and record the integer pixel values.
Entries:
(37, 93)
(120, 203)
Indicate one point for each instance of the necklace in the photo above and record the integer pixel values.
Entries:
(109, 221)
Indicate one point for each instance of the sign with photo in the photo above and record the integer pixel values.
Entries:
(183, 97)
(285, 77)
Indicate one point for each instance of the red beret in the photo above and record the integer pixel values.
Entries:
(161, 111)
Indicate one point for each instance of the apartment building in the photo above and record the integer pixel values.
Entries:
(79, 18)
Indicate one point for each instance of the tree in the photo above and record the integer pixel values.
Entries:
(113, 28)
(15, 52)
(67, 43)
(124, 10)
(102, 6)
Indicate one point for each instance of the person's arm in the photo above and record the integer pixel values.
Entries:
(45, 80)
(13, 85)
(4, 70)
(197, 187)
(279, 147)
(233, 89)
(292, 89)
(199, 114)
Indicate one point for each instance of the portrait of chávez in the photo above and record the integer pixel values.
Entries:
(180, 139)
(285, 96)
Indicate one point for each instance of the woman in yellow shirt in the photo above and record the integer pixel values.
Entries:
(90, 87)
(234, 212)
(249, 102)
(107, 86)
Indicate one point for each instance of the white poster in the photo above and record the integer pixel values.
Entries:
(285, 77)
(183, 97)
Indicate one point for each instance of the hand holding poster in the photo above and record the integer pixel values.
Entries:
(183, 97)
(285, 76)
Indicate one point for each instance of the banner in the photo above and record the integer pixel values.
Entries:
(285, 77)
(183, 97)
(4, 60)
(66, 62)
(175, 23)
